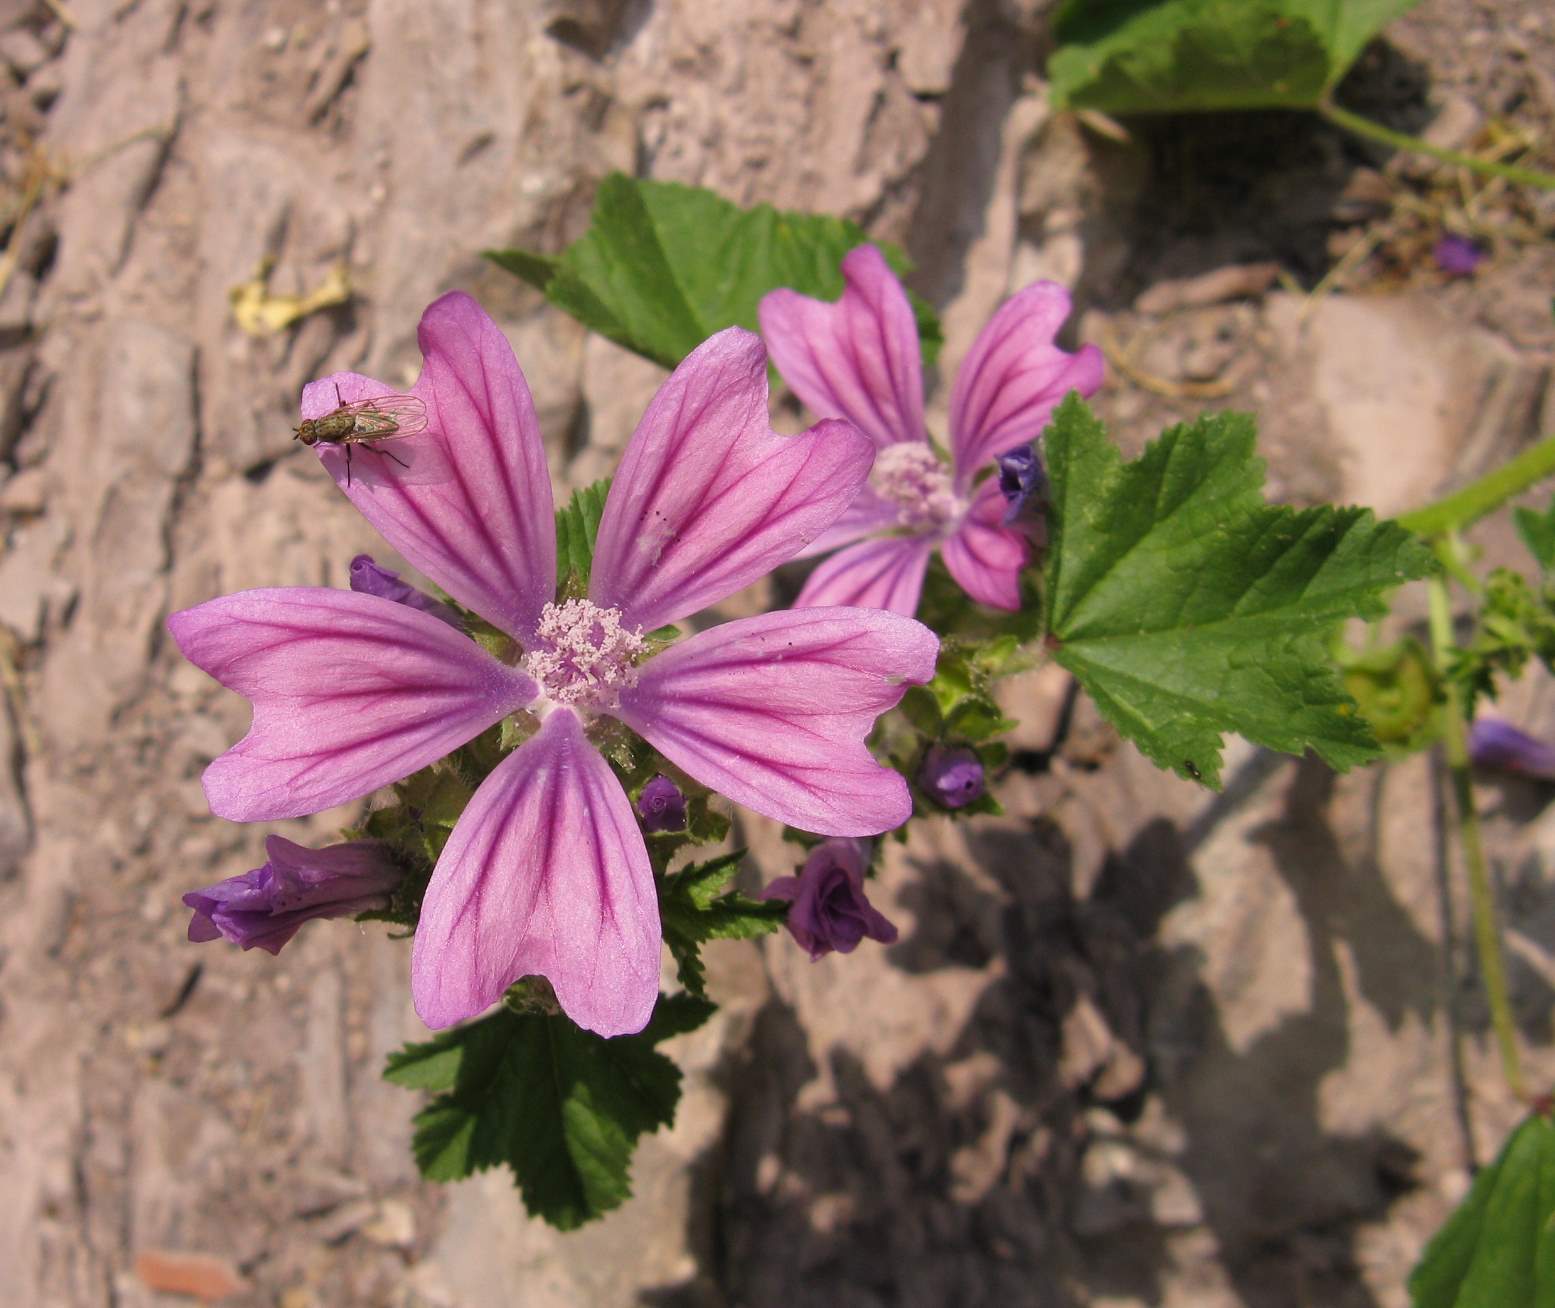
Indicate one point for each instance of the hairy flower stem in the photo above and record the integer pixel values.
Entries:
(1456, 511)
(1403, 141)
(1487, 931)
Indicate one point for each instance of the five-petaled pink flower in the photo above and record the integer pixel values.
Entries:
(546, 872)
(858, 359)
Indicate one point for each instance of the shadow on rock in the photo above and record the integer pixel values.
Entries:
(1093, 1109)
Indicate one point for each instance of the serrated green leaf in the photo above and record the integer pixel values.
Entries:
(1187, 607)
(1538, 533)
(433, 1065)
(536, 269)
(577, 528)
(1182, 56)
(664, 266)
(561, 1107)
(1498, 1248)
(693, 911)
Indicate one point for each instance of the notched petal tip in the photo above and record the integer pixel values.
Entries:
(349, 692)
(773, 712)
(708, 499)
(1014, 376)
(546, 874)
(856, 357)
(467, 501)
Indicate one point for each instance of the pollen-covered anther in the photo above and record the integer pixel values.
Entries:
(915, 479)
(583, 655)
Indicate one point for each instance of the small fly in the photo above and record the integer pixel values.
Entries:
(361, 422)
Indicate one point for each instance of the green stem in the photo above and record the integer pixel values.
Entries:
(1403, 141)
(1456, 511)
(1487, 932)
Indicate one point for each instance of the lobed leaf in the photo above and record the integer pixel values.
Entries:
(1498, 1248)
(1187, 607)
(1177, 56)
(664, 266)
(560, 1106)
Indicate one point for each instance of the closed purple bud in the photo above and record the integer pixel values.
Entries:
(951, 777)
(1023, 483)
(1496, 743)
(1457, 256)
(827, 907)
(368, 578)
(661, 806)
(265, 907)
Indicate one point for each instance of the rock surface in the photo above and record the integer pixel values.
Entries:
(1137, 1045)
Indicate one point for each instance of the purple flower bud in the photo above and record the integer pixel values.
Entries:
(1023, 482)
(951, 777)
(367, 578)
(827, 907)
(266, 907)
(1496, 743)
(1457, 256)
(661, 806)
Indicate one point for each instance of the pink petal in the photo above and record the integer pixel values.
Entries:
(708, 498)
(773, 712)
(985, 557)
(473, 510)
(546, 875)
(350, 692)
(878, 574)
(856, 358)
(868, 514)
(1014, 378)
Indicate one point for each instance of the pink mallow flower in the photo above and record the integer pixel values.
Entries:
(546, 872)
(858, 359)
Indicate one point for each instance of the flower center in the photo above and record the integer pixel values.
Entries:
(582, 655)
(912, 477)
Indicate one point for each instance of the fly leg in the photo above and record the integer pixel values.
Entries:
(387, 455)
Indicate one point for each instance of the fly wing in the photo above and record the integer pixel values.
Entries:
(386, 417)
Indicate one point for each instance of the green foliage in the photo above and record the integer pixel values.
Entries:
(1498, 1249)
(577, 528)
(1176, 56)
(664, 266)
(1396, 690)
(1187, 607)
(560, 1106)
(693, 911)
(1515, 624)
(1538, 533)
(956, 708)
